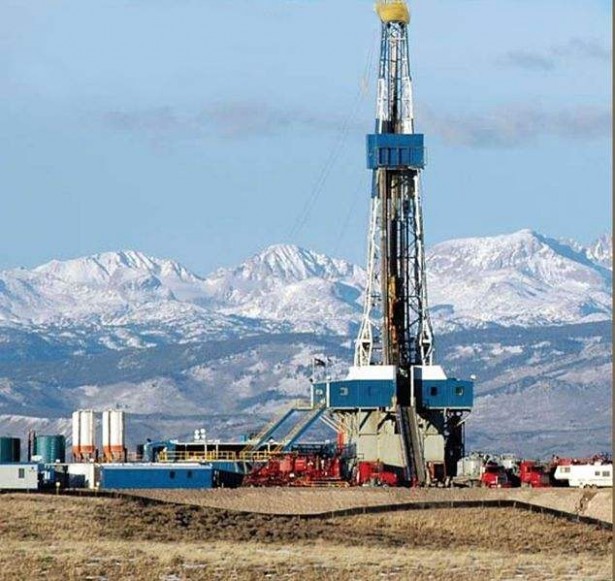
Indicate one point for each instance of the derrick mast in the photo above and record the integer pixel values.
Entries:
(396, 406)
(395, 329)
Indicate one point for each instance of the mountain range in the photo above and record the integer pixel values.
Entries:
(528, 314)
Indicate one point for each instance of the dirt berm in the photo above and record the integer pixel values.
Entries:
(592, 503)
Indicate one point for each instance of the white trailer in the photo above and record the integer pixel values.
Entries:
(16, 476)
(580, 475)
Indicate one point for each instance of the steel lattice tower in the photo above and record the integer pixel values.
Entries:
(396, 329)
(396, 407)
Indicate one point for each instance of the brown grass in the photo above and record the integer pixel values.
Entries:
(48, 537)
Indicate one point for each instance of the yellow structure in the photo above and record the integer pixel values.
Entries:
(393, 11)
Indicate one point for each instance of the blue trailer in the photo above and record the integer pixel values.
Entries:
(158, 475)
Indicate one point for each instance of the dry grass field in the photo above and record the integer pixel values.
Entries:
(49, 537)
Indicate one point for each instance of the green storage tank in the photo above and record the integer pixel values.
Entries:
(10, 450)
(50, 448)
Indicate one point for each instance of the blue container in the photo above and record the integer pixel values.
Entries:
(156, 476)
(395, 151)
(356, 393)
(445, 393)
(51, 449)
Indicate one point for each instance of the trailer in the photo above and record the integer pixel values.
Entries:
(583, 475)
(17, 476)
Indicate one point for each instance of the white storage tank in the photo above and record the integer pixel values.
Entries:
(77, 434)
(84, 443)
(471, 466)
(113, 434)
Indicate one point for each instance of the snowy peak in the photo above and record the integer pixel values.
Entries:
(109, 267)
(103, 286)
(289, 263)
(524, 251)
(601, 251)
(288, 283)
(523, 278)
(276, 268)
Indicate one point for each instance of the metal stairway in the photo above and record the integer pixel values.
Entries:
(261, 438)
(299, 429)
(411, 444)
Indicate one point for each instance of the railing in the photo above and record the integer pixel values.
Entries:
(200, 456)
(254, 456)
(213, 456)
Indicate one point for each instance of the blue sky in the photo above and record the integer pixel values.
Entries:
(205, 131)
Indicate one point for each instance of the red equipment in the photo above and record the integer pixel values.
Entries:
(374, 473)
(533, 474)
(297, 470)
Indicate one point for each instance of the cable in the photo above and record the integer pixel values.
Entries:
(336, 151)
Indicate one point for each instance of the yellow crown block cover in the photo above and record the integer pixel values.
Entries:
(394, 11)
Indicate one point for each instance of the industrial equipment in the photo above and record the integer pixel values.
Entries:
(396, 405)
(49, 449)
(294, 469)
(10, 449)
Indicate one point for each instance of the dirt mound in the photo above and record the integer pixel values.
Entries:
(302, 501)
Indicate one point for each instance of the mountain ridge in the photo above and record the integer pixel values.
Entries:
(521, 278)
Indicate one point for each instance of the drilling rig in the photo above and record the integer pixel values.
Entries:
(396, 407)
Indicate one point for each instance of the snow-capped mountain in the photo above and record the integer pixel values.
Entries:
(289, 283)
(601, 251)
(521, 279)
(529, 315)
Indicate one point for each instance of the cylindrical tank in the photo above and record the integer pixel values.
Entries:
(10, 449)
(117, 432)
(51, 449)
(86, 433)
(76, 434)
(83, 434)
(113, 434)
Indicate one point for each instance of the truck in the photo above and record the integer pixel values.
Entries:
(494, 476)
(533, 474)
(480, 469)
